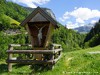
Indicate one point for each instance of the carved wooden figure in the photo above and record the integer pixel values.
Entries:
(40, 25)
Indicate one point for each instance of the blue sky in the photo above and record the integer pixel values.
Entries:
(72, 13)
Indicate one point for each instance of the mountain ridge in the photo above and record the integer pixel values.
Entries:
(84, 29)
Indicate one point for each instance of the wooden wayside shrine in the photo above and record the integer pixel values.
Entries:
(40, 25)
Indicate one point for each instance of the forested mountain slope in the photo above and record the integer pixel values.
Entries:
(11, 15)
(68, 38)
(13, 10)
(93, 37)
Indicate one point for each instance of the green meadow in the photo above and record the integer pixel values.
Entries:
(81, 62)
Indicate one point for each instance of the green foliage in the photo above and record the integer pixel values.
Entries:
(93, 41)
(13, 10)
(6, 39)
(7, 23)
(10, 15)
(69, 39)
(93, 37)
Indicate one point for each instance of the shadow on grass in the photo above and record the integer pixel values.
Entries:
(34, 69)
(18, 65)
(3, 68)
(39, 69)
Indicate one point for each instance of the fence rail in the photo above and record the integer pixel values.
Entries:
(54, 55)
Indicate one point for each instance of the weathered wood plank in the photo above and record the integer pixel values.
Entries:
(30, 45)
(18, 45)
(56, 44)
(57, 50)
(55, 60)
(31, 51)
(9, 67)
(30, 61)
(34, 51)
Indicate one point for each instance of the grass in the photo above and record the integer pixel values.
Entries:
(71, 63)
(12, 21)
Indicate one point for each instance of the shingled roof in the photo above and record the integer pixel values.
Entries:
(47, 13)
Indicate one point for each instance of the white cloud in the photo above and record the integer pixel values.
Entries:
(79, 20)
(64, 17)
(93, 21)
(40, 1)
(85, 13)
(30, 3)
(70, 25)
(80, 15)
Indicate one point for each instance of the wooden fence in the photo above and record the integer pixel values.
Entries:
(49, 56)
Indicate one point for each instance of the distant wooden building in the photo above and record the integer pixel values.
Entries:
(40, 25)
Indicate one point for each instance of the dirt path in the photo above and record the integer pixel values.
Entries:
(95, 52)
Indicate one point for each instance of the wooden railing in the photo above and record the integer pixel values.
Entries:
(54, 55)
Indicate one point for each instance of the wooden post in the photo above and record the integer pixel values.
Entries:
(10, 57)
(50, 66)
(52, 54)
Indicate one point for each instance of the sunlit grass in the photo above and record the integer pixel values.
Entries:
(71, 63)
(12, 21)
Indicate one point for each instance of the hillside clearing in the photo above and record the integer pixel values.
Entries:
(71, 63)
(12, 21)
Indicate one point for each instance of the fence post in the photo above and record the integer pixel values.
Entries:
(9, 58)
(52, 54)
